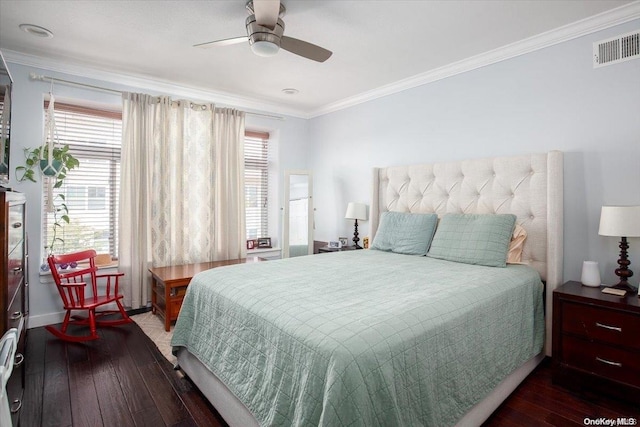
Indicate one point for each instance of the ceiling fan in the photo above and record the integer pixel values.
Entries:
(265, 33)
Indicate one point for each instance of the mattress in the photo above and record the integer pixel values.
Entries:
(362, 337)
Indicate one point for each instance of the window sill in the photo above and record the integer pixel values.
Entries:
(105, 267)
(266, 253)
(262, 250)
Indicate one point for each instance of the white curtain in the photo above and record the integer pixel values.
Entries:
(181, 190)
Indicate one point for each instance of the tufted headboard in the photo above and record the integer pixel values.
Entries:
(529, 186)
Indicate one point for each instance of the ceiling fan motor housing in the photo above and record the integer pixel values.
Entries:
(258, 33)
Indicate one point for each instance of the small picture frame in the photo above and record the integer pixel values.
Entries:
(335, 244)
(343, 241)
(264, 242)
(251, 244)
(365, 242)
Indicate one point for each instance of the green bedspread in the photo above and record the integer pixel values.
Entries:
(362, 338)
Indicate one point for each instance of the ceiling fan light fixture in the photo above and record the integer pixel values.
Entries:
(266, 34)
(264, 48)
(263, 41)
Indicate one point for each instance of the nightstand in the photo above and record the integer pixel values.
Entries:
(328, 249)
(596, 341)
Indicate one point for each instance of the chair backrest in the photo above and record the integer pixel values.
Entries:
(85, 271)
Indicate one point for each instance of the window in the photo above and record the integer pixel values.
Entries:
(91, 190)
(256, 184)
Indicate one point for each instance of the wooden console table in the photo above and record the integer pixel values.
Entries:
(169, 284)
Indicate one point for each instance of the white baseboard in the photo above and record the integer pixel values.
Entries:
(45, 319)
(36, 321)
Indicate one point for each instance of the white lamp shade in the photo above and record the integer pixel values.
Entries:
(356, 211)
(620, 221)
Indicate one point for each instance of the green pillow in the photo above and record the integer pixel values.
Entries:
(473, 239)
(405, 233)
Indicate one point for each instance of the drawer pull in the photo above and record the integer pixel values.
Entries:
(16, 315)
(16, 405)
(16, 225)
(611, 328)
(18, 360)
(609, 362)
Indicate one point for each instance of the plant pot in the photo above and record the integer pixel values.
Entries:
(50, 169)
(103, 260)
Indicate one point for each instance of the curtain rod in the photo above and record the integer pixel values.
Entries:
(43, 78)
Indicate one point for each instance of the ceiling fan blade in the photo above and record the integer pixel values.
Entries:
(267, 12)
(225, 42)
(306, 49)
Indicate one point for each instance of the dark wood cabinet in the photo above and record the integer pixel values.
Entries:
(596, 341)
(13, 288)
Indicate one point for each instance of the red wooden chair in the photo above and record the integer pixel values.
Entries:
(72, 284)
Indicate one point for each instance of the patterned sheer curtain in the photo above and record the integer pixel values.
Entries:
(182, 187)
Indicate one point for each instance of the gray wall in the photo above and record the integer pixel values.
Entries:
(551, 99)
(290, 138)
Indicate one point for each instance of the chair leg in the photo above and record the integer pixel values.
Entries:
(62, 332)
(124, 314)
(123, 319)
(92, 323)
(65, 322)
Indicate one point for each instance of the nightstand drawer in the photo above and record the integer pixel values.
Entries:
(597, 323)
(602, 360)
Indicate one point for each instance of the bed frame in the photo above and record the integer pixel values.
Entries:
(529, 186)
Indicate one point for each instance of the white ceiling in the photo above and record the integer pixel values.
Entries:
(375, 43)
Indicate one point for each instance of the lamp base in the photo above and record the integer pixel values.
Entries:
(356, 239)
(623, 271)
(625, 286)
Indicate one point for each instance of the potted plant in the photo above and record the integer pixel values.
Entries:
(60, 213)
(62, 162)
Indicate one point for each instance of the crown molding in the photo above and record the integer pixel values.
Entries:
(123, 81)
(568, 32)
(562, 34)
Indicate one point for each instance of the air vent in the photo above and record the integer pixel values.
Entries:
(617, 49)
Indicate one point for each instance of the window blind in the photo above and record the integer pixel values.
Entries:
(256, 183)
(91, 190)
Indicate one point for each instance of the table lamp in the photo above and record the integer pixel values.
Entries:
(623, 222)
(357, 211)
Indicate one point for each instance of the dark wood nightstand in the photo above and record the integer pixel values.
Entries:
(328, 249)
(596, 341)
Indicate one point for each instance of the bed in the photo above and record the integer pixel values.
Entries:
(380, 338)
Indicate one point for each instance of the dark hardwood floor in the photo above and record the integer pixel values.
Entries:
(122, 379)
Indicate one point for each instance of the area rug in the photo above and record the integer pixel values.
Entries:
(153, 327)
